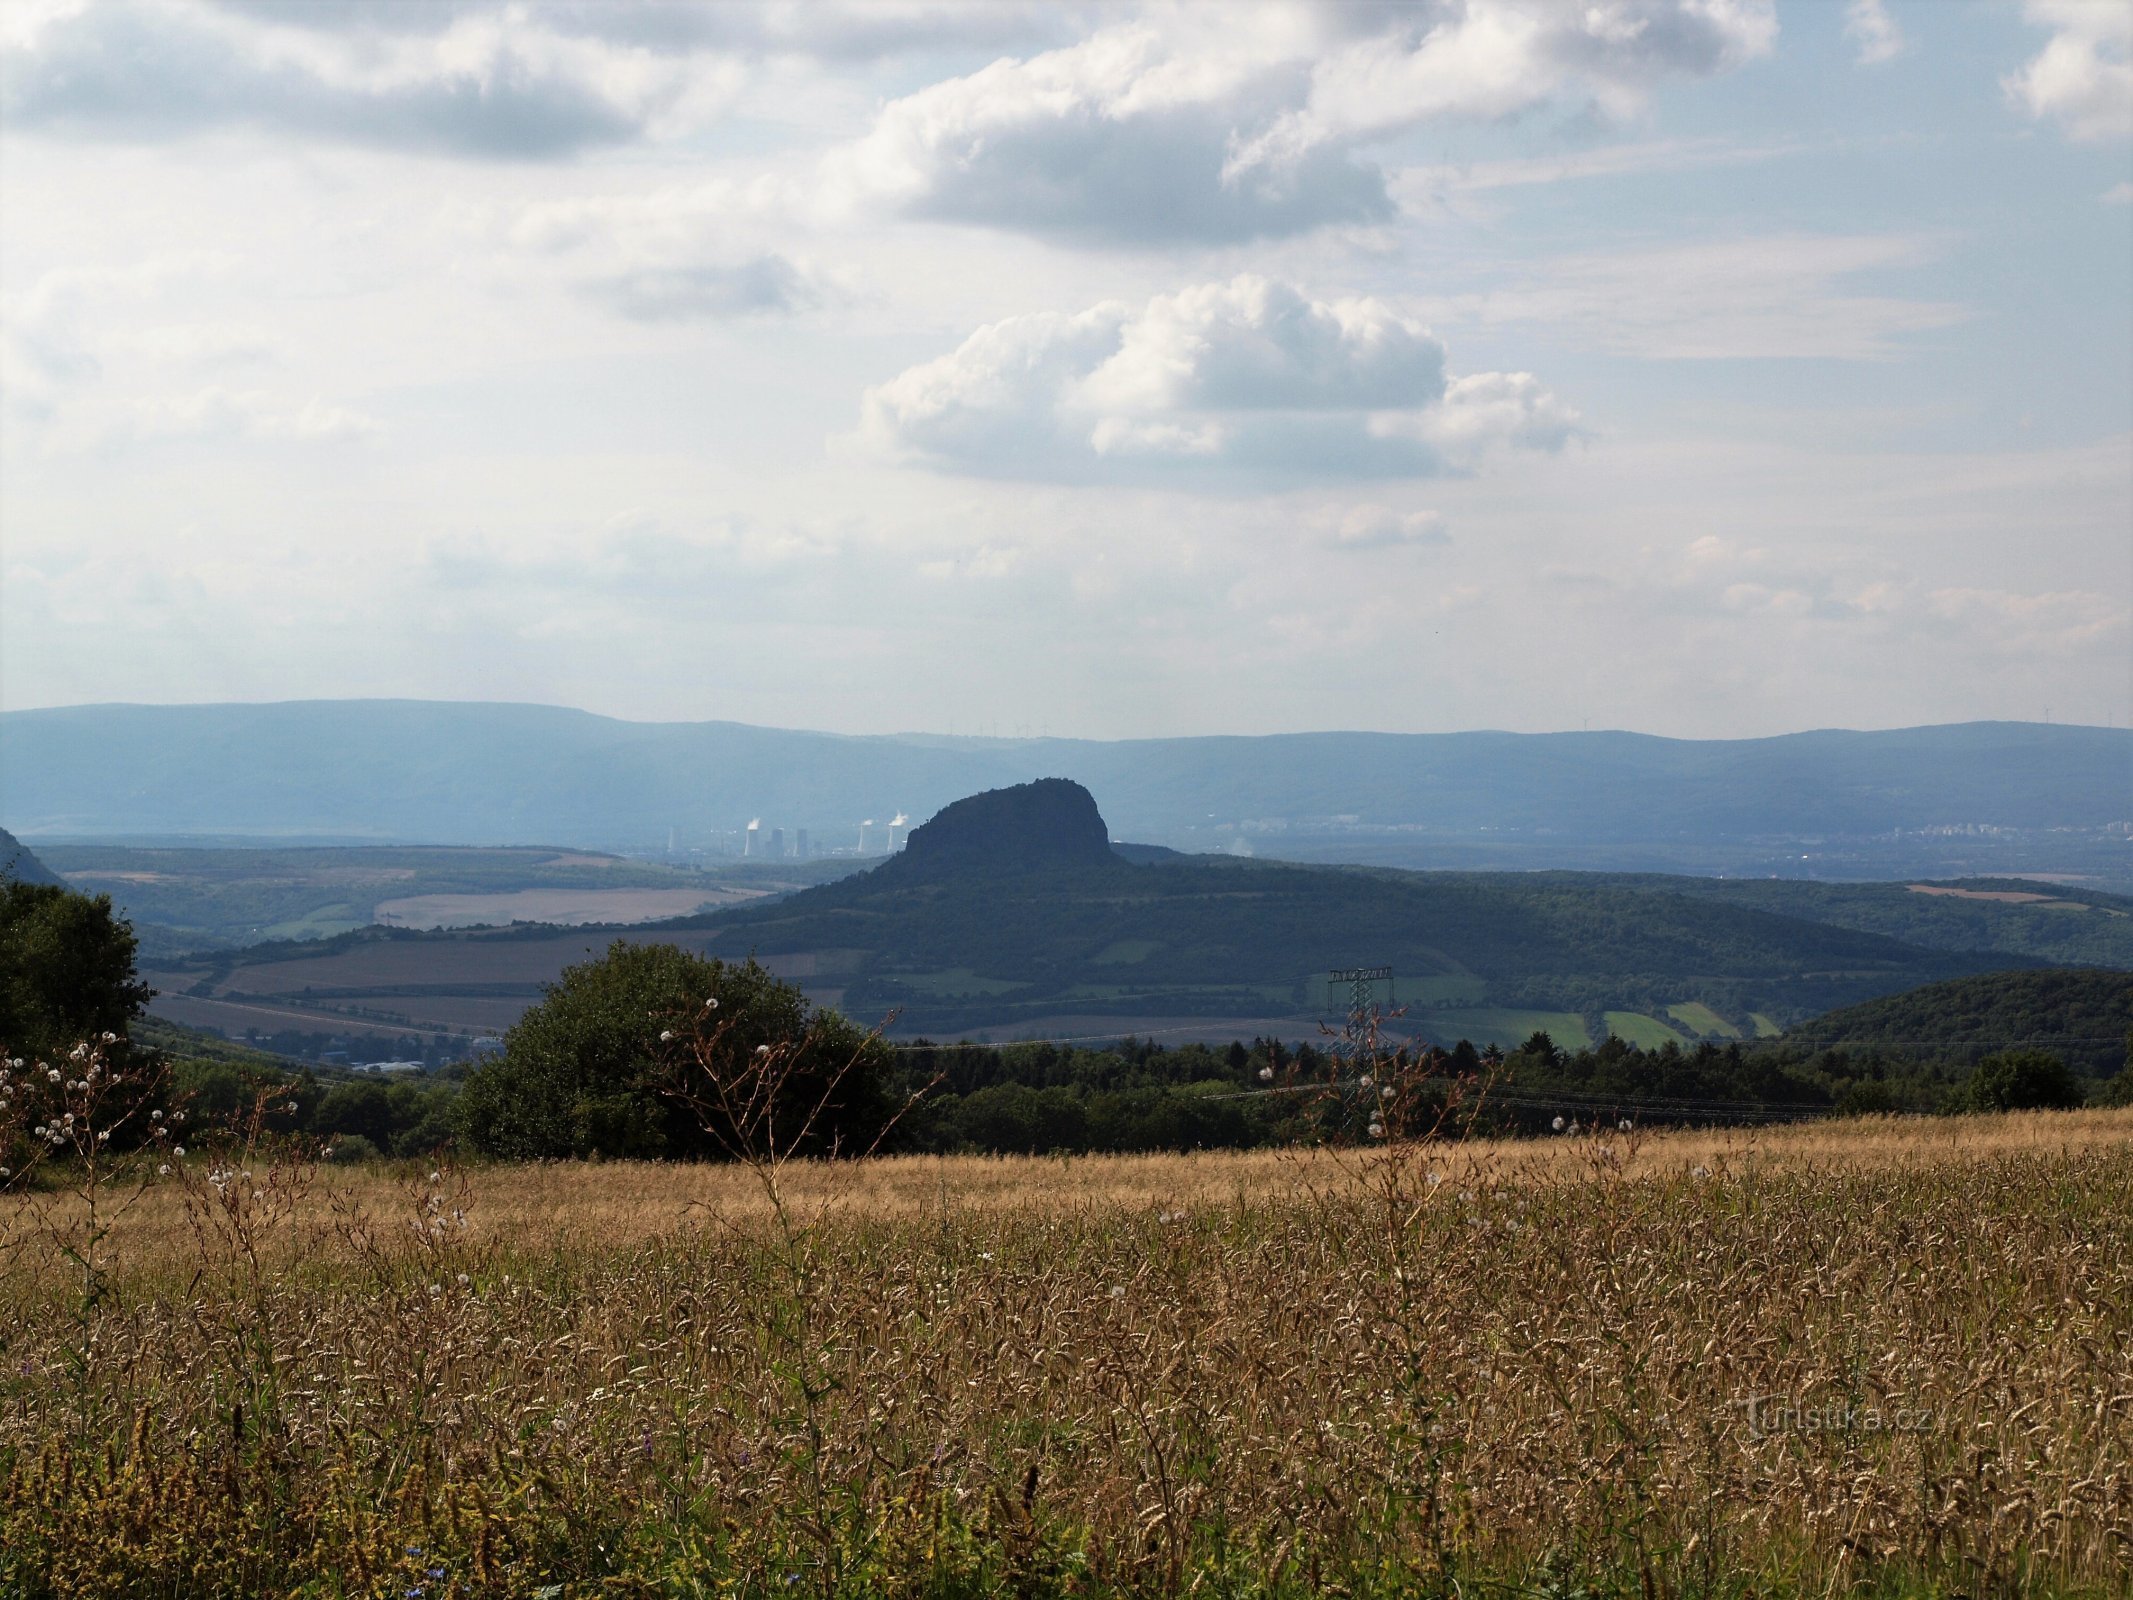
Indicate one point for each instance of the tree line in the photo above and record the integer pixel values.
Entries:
(598, 1068)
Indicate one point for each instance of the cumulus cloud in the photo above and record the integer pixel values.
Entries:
(1251, 377)
(2083, 77)
(1868, 25)
(1242, 124)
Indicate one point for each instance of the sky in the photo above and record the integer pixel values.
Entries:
(1710, 368)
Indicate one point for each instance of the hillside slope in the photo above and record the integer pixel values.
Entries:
(951, 937)
(19, 865)
(2085, 1017)
(2056, 923)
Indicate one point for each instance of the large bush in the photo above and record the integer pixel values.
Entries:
(2020, 1080)
(587, 1072)
(66, 970)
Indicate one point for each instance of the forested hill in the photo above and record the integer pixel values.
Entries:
(2084, 1017)
(2057, 923)
(1968, 798)
(18, 865)
(953, 934)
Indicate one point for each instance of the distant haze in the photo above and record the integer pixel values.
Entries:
(1972, 797)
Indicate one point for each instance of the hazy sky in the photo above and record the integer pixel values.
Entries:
(1704, 367)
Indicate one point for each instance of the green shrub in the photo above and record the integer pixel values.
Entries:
(2020, 1080)
(586, 1071)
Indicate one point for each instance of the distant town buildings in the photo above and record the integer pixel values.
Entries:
(760, 840)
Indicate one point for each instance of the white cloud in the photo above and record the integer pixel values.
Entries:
(1240, 123)
(2083, 77)
(478, 86)
(480, 79)
(1251, 377)
(1494, 60)
(1374, 527)
(2119, 194)
(1868, 25)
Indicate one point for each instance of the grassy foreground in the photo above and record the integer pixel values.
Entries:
(1879, 1357)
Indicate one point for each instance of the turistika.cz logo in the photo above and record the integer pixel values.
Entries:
(1772, 1414)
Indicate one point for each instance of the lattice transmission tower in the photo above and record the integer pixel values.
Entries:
(1359, 986)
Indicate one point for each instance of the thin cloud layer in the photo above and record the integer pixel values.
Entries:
(1374, 527)
(1242, 379)
(835, 30)
(1245, 124)
(760, 286)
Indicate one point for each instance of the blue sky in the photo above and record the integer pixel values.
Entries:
(1704, 367)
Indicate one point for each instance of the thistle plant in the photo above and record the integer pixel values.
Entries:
(767, 1106)
(96, 1120)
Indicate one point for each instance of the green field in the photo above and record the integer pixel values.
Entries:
(1508, 1026)
(182, 899)
(1644, 1031)
(1125, 952)
(1765, 1027)
(1456, 989)
(956, 982)
(1699, 1018)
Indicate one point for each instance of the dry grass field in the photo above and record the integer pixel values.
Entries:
(1884, 1357)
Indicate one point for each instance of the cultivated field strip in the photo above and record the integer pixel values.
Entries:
(1845, 1356)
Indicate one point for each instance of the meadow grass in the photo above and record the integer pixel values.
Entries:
(1893, 1356)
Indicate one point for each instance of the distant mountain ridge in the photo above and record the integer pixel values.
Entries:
(1960, 799)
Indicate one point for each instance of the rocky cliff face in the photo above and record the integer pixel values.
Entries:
(1052, 822)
